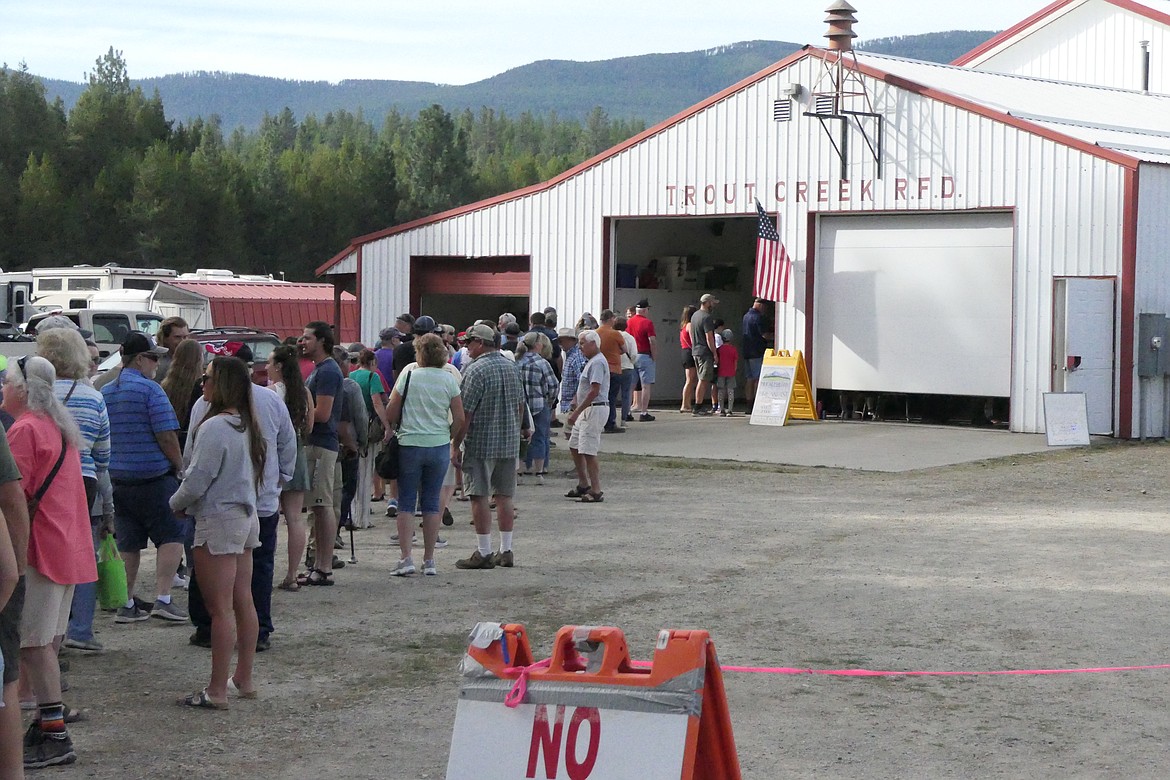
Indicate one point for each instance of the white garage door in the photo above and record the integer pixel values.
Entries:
(915, 304)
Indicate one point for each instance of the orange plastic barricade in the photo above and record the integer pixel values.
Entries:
(587, 713)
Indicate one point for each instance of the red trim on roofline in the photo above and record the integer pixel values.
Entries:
(1011, 32)
(590, 163)
(900, 82)
(807, 51)
(1014, 30)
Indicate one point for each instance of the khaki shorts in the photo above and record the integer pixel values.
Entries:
(449, 480)
(321, 463)
(46, 610)
(227, 534)
(706, 368)
(489, 476)
(585, 437)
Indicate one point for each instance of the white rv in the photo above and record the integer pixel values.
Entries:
(72, 287)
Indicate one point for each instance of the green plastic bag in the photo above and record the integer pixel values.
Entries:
(111, 575)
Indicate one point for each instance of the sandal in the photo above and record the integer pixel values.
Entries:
(234, 690)
(592, 498)
(201, 700)
(578, 491)
(315, 577)
(289, 585)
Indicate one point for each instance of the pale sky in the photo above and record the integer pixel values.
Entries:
(445, 41)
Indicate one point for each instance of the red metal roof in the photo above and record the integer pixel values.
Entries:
(280, 308)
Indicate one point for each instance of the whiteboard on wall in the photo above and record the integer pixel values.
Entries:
(918, 303)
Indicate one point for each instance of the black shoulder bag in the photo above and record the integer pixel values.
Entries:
(386, 463)
(35, 502)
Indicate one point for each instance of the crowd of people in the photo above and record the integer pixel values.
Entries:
(179, 447)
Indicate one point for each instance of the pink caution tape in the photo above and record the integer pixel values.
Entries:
(871, 673)
(515, 696)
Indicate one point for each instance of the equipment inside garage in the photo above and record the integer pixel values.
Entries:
(671, 262)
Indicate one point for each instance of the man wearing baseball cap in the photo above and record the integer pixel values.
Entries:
(703, 350)
(641, 327)
(145, 461)
(493, 401)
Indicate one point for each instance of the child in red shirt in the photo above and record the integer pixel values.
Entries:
(725, 375)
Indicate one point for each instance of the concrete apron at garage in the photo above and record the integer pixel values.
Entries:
(868, 446)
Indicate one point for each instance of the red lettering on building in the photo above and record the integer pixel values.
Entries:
(900, 186)
(923, 186)
(580, 770)
(749, 190)
(867, 190)
(689, 195)
(543, 740)
(843, 189)
(822, 192)
(670, 188)
(948, 187)
(729, 198)
(709, 194)
(802, 191)
(781, 191)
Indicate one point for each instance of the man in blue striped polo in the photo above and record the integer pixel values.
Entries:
(145, 463)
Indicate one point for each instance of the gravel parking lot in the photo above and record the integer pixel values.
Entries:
(1034, 561)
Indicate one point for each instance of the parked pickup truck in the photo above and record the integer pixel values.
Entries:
(109, 329)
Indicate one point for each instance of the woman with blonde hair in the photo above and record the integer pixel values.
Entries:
(45, 442)
(68, 353)
(426, 408)
(219, 491)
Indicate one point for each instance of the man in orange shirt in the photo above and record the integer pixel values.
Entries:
(613, 344)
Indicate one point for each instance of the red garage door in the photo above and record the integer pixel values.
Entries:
(462, 276)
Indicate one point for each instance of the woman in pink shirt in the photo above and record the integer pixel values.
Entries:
(44, 441)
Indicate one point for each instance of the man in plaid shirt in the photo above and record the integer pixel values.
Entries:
(574, 362)
(493, 401)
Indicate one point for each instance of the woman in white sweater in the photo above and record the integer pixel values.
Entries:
(219, 491)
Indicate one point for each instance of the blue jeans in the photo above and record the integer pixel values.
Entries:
(629, 379)
(421, 471)
(84, 606)
(538, 447)
(615, 399)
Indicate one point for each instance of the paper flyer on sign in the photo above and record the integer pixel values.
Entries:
(773, 395)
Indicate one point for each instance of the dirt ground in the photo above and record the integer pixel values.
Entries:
(1057, 560)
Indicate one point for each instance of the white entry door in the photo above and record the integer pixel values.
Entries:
(1083, 346)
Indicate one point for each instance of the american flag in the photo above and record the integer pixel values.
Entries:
(772, 262)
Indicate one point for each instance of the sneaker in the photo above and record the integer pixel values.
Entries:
(503, 558)
(440, 543)
(702, 411)
(429, 568)
(644, 417)
(628, 418)
(170, 611)
(179, 581)
(476, 561)
(48, 751)
(418, 513)
(392, 508)
(131, 615)
(448, 518)
(614, 429)
(413, 537)
(201, 638)
(88, 645)
(262, 644)
(404, 567)
(145, 606)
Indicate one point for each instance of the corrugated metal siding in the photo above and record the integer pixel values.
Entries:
(1153, 277)
(1068, 206)
(1094, 43)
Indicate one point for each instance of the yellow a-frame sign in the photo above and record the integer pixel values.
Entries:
(784, 392)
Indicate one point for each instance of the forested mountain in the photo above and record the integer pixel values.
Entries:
(650, 87)
(266, 175)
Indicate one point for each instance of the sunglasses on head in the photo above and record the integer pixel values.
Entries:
(23, 371)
